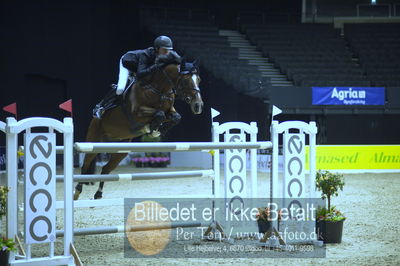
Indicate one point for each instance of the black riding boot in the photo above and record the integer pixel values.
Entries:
(109, 101)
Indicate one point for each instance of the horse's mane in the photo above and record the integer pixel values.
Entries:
(171, 65)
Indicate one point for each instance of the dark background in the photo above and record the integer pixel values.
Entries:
(52, 51)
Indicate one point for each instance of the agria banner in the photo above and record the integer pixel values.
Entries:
(348, 95)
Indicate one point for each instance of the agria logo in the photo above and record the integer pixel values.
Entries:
(349, 96)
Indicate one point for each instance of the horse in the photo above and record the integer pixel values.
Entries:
(147, 106)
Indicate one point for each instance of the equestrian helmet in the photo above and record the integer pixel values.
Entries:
(163, 42)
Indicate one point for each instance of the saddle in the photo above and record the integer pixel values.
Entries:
(112, 100)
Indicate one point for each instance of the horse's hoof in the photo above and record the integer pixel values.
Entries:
(98, 195)
(76, 195)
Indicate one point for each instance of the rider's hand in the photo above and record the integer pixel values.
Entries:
(171, 57)
(174, 55)
(159, 65)
(162, 59)
(155, 67)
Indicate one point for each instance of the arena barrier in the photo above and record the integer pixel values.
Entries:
(40, 160)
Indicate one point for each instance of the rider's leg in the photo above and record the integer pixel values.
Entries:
(106, 102)
(112, 98)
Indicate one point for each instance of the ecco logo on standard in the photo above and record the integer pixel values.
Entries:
(40, 188)
(236, 175)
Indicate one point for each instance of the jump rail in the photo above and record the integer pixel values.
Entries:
(121, 201)
(122, 228)
(140, 176)
(117, 147)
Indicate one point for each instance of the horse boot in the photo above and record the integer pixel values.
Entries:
(99, 192)
(158, 118)
(174, 119)
(98, 195)
(79, 188)
(78, 191)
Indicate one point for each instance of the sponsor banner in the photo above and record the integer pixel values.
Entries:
(357, 157)
(341, 157)
(348, 95)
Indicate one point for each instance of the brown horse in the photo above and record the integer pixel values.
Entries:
(146, 107)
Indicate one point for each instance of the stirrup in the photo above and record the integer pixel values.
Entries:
(98, 111)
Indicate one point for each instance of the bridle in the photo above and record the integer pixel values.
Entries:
(178, 87)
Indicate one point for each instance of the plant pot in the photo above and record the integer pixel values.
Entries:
(329, 231)
(263, 226)
(4, 255)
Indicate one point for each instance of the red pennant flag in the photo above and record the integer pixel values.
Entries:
(67, 106)
(11, 108)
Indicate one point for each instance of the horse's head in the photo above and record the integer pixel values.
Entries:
(188, 86)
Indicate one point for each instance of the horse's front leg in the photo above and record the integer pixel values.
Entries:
(158, 119)
(172, 119)
(151, 116)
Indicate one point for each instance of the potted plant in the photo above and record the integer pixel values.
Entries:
(329, 223)
(6, 244)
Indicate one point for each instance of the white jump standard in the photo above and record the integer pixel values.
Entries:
(33, 188)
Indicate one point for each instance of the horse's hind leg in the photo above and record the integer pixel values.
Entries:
(115, 159)
(89, 163)
(89, 167)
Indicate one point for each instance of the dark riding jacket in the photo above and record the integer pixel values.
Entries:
(140, 62)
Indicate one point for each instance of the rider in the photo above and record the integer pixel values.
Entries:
(138, 63)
